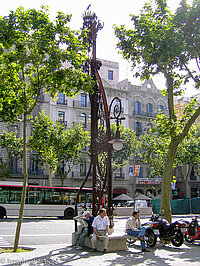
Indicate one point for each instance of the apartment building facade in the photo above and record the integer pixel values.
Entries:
(140, 105)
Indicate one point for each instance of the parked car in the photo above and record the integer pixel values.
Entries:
(138, 204)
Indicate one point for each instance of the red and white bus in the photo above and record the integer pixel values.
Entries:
(42, 201)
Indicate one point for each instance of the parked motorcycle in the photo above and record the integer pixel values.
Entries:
(166, 231)
(150, 237)
(193, 231)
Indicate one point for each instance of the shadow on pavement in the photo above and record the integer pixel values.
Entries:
(159, 255)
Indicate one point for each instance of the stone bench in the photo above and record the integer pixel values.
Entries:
(116, 242)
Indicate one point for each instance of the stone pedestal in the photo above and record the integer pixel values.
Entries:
(115, 243)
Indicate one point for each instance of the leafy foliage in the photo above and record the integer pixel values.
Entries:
(162, 42)
(57, 146)
(36, 56)
(33, 55)
(12, 146)
(120, 158)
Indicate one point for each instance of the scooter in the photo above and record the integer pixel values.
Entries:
(193, 231)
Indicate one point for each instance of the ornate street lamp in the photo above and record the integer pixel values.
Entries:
(101, 143)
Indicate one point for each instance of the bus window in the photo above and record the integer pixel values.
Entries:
(15, 196)
(4, 196)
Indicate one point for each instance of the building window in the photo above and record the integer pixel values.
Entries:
(83, 100)
(149, 109)
(34, 164)
(83, 167)
(61, 116)
(83, 120)
(138, 108)
(161, 108)
(192, 175)
(61, 98)
(138, 128)
(13, 165)
(89, 121)
(89, 104)
(119, 174)
(110, 74)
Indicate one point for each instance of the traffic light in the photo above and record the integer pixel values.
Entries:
(174, 193)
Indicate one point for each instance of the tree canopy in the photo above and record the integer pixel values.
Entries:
(163, 42)
(56, 146)
(36, 56)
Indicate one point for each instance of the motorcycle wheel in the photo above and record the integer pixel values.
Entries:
(151, 238)
(188, 239)
(178, 240)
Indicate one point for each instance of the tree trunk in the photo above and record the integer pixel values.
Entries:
(165, 207)
(17, 233)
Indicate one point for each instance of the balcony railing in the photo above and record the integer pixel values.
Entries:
(76, 175)
(38, 171)
(15, 170)
(81, 104)
(63, 101)
(119, 176)
(145, 114)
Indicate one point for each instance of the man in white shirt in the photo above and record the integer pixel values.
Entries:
(100, 227)
(133, 228)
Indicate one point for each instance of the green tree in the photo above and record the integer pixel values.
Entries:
(12, 145)
(166, 43)
(57, 146)
(121, 158)
(153, 149)
(33, 54)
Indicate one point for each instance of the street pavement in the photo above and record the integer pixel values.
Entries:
(65, 254)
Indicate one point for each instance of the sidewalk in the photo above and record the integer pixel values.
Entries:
(65, 254)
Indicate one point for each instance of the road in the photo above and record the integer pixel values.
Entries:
(37, 231)
(41, 231)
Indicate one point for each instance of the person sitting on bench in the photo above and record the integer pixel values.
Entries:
(100, 226)
(133, 228)
(87, 229)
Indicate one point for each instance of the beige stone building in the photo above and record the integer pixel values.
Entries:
(140, 105)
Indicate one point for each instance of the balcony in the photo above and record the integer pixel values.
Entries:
(119, 176)
(75, 174)
(145, 114)
(62, 101)
(15, 170)
(37, 171)
(80, 104)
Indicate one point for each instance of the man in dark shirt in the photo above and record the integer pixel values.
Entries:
(86, 230)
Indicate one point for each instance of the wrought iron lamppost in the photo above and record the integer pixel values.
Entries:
(101, 144)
